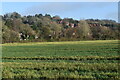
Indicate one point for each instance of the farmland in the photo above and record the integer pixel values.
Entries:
(61, 60)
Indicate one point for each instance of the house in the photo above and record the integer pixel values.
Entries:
(23, 36)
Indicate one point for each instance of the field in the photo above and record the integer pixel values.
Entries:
(61, 60)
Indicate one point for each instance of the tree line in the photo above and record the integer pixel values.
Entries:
(38, 27)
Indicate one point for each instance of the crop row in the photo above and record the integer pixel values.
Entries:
(63, 65)
(77, 58)
(61, 69)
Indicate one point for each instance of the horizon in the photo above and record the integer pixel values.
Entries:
(62, 18)
(75, 10)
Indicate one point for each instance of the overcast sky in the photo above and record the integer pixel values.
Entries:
(76, 10)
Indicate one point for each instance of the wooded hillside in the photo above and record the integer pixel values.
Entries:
(17, 28)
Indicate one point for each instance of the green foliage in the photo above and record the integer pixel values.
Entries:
(61, 60)
(85, 29)
(9, 35)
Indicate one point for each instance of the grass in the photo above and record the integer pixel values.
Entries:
(65, 60)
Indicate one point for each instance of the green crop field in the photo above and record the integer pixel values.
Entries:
(61, 60)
